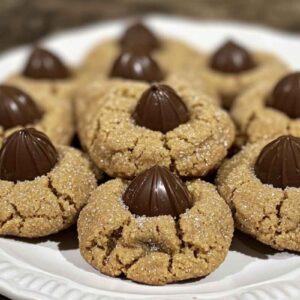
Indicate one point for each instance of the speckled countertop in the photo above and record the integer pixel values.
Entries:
(24, 21)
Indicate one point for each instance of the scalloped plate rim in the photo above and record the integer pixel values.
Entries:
(11, 268)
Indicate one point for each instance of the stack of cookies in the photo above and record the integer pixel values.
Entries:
(153, 184)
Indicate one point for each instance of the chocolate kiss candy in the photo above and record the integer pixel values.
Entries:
(286, 95)
(136, 66)
(279, 162)
(138, 36)
(160, 109)
(232, 58)
(42, 64)
(157, 192)
(25, 155)
(16, 108)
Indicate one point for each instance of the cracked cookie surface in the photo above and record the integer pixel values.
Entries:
(271, 215)
(231, 85)
(155, 250)
(257, 121)
(121, 148)
(49, 203)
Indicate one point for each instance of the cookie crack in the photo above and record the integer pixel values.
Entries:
(19, 215)
(95, 134)
(278, 207)
(195, 147)
(3, 223)
(62, 197)
(235, 189)
(113, 238)
(125, 267)
(172, 165)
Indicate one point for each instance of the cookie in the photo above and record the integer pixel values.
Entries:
(191, 137)
(151, 234)
(93, 93)
(261, 184)
(46, 76)
(20, 109)
(42, 188)
(269, 109)
(232, 69)
(171, 55)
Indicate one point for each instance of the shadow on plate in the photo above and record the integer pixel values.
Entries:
(66, 239)
(247, 245)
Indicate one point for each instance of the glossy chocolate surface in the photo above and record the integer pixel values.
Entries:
(232, 58)
(160, 108)
(17, 108)
(286, 95)
(139, 37)
(157, 192)
(43, 64)
(25, 155)
(279, 162)
(136, 66)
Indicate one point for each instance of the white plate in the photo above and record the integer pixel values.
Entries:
(52, 268)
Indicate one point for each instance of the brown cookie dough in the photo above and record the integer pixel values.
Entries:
(156, 250)
(49, 203)
(57, 120)
(61, 89)
(93, 93)
(172, 56)
(255, 120)
(271, 215)
(121, 148)
(230, 86)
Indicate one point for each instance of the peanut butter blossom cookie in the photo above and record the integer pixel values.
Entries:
(45, 76)
(232, 68)
(130, 67)
(42, 187)
(155, 229)
(20, 109)
(172, 55)
(261, 184)
(269, 109)
(135, 126)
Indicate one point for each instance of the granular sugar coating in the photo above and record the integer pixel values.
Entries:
(156, 250)
(271, 215)
(121, 148)
(256, 121)
(50, 203)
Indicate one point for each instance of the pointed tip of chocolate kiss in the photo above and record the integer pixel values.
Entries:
(232, 58)
(43, 64)
(138, 37)
(136, 66)
(157, 192)
(160, 108)
(278, 162)
(17, 108)
(25, 155)
(286, 95)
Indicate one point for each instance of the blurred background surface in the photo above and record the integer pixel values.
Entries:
(25, 21)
